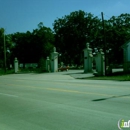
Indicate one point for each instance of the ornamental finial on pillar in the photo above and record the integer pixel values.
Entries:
(87, 45)
(54, 49)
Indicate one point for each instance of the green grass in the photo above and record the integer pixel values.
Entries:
(120, 76)
(26, 70)
(2, 71)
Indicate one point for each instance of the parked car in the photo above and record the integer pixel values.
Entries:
(63, 68)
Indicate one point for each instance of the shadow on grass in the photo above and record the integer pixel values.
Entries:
(120, 73)
(118, 76)
(102, 99)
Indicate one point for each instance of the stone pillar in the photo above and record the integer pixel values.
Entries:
(125, 65)
(100, 62)
(48, 64)
(87, 59)
(15, 65)
(54, 61)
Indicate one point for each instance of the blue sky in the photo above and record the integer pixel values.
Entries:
(24, 15)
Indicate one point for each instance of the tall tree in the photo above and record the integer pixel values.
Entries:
(1, 47)
(43, 38)
(72, 32)
(5, 47)
(30, 47)
(117, 33)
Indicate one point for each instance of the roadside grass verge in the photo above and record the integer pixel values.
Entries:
(26, 70)
(2, 71)
(120, 76)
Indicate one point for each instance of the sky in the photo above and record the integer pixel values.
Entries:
(25, 15)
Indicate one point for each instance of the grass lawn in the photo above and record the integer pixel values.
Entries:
(2, 71)
(29, 70)
(120, 76)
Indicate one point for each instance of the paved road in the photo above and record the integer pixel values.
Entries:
(57, 101)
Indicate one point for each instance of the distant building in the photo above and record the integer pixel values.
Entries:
(126, 53)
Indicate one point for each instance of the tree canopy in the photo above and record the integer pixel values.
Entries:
(30, 47)
(73, 31)
(70, 35)
(8, 46)
(1, 46)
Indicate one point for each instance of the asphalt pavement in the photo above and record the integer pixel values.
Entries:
(59, 101)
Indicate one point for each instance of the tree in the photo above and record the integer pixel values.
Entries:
(5, 49)
(43, 38)
(30, 47)
(1, 47)
(72, 32)
(117, 33)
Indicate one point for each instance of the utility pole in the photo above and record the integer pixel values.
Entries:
(104, 39)
(4, 53)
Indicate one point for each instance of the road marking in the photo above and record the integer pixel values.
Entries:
(72, 91)
(82, 85)
(65, 90)
(90, 93)
(8, 95)
(73, 85)
(77, 85)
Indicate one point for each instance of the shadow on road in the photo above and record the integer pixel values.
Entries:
(102, 99)
(74, 73)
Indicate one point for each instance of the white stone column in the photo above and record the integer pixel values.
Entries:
(48, 64)
(100, 62)
(54, 61)
(87, 59)
(125, 51)
(15, 65)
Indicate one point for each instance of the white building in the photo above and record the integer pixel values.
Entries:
(126, 53)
